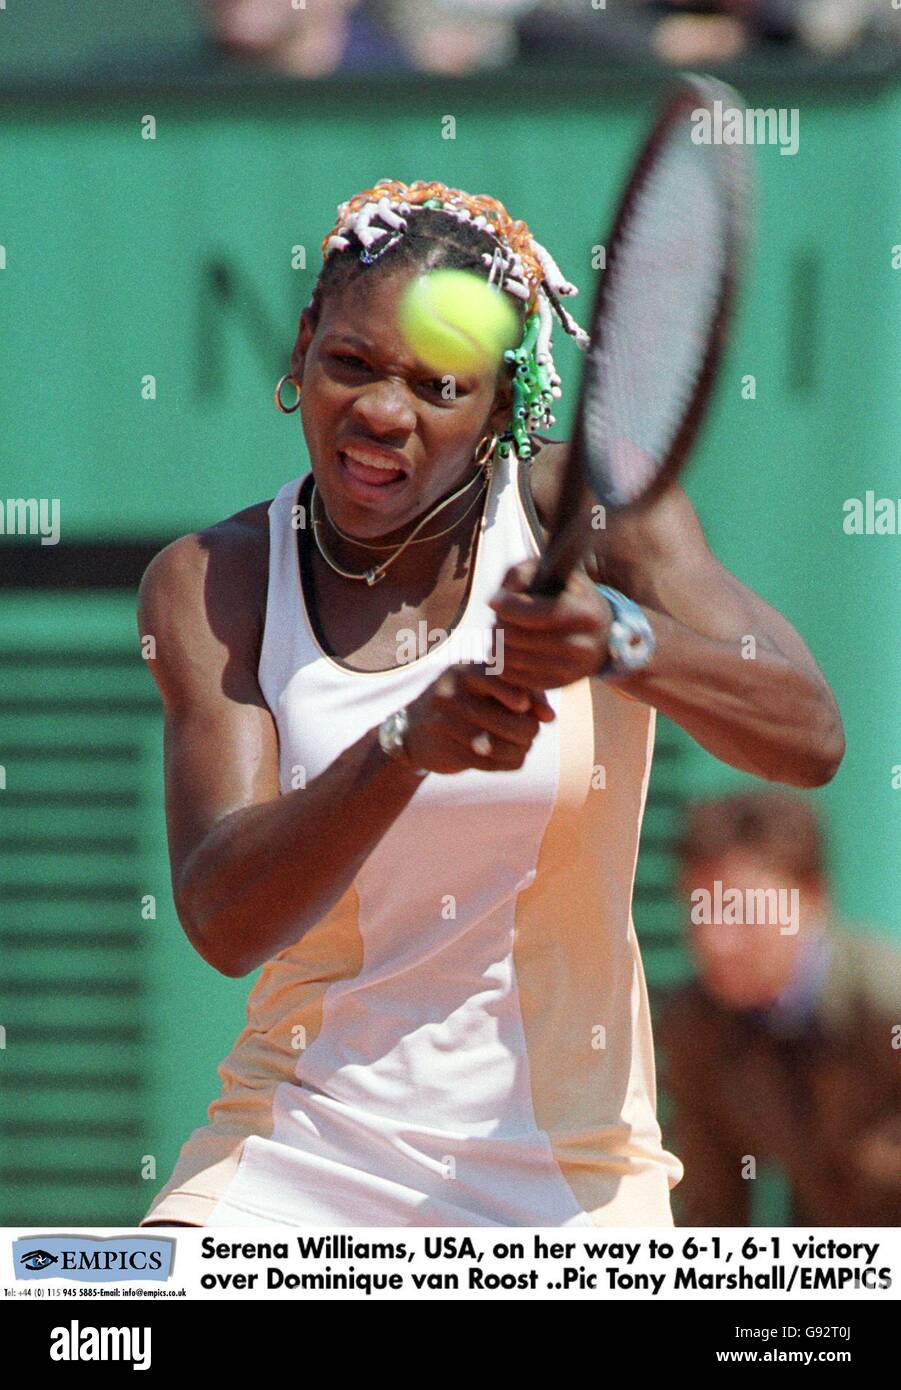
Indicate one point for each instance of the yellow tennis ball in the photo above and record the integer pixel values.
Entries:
(456, 322)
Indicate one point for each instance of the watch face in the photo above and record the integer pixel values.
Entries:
(630, 646)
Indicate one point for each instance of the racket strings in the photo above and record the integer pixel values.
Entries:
(663, 287)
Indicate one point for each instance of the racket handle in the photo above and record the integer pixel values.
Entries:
(563, 553)
(568, 530)
(547, 582)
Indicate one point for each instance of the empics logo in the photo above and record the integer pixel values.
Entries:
(77, 1343)
(94, 1259)
(36, 1260)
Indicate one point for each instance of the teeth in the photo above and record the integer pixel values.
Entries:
(372, 462)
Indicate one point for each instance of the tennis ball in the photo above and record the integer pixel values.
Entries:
(456, 322)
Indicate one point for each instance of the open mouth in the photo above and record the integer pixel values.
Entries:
(369, 475)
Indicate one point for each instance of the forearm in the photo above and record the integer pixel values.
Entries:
(745, 702)
(266, 873)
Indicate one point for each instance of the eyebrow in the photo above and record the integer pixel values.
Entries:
(352, 340)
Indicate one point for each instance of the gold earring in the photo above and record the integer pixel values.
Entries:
(484, 454)
(287, 409)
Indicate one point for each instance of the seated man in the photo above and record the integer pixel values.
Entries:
(786, 1049)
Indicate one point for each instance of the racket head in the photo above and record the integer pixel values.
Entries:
(664, 301)
(660, 318)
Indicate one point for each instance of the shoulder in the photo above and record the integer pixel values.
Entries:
(229, 555)
(207, 590)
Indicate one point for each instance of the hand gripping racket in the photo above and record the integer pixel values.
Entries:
(659, 320)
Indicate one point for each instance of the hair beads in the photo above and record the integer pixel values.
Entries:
(523, 269)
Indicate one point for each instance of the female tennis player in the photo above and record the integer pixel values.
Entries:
(413, 793)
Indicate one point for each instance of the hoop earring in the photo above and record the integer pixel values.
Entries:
(484, 454)
(287, 409)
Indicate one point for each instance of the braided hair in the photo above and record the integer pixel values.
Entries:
(462, 231)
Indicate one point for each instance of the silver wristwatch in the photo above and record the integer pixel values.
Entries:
(392, 740)
(631, 643)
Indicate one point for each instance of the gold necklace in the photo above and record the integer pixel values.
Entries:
(376, 572)
(420, 540)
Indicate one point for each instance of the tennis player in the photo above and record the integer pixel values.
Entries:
(413, 793)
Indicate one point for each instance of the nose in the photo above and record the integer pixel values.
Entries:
(385, 408)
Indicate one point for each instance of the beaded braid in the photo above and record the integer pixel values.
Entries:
(518, 265)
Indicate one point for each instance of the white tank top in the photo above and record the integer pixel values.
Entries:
(464, 1039)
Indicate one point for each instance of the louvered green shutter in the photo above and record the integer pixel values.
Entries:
(113, 1025)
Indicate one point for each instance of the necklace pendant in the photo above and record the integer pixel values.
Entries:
(373, 576)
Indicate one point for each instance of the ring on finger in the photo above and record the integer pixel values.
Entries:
(482, 744)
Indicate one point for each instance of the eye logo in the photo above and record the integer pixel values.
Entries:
(38, 1259)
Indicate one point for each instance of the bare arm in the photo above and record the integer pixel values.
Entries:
(252, 868)
(728, 668)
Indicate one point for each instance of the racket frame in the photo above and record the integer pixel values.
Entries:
(577, 495)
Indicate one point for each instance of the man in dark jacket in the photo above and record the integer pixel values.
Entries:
(786, 1049)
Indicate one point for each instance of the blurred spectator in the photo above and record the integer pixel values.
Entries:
(698, 32)
(457, 36)
(785, 1049)
(296, 38)
(836, 26)
(315, 38)
(687, 32)
(694, 31)
(303, 38)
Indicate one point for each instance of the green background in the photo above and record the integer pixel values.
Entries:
(128, 257)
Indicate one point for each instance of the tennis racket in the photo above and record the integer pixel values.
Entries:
(659, 322)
